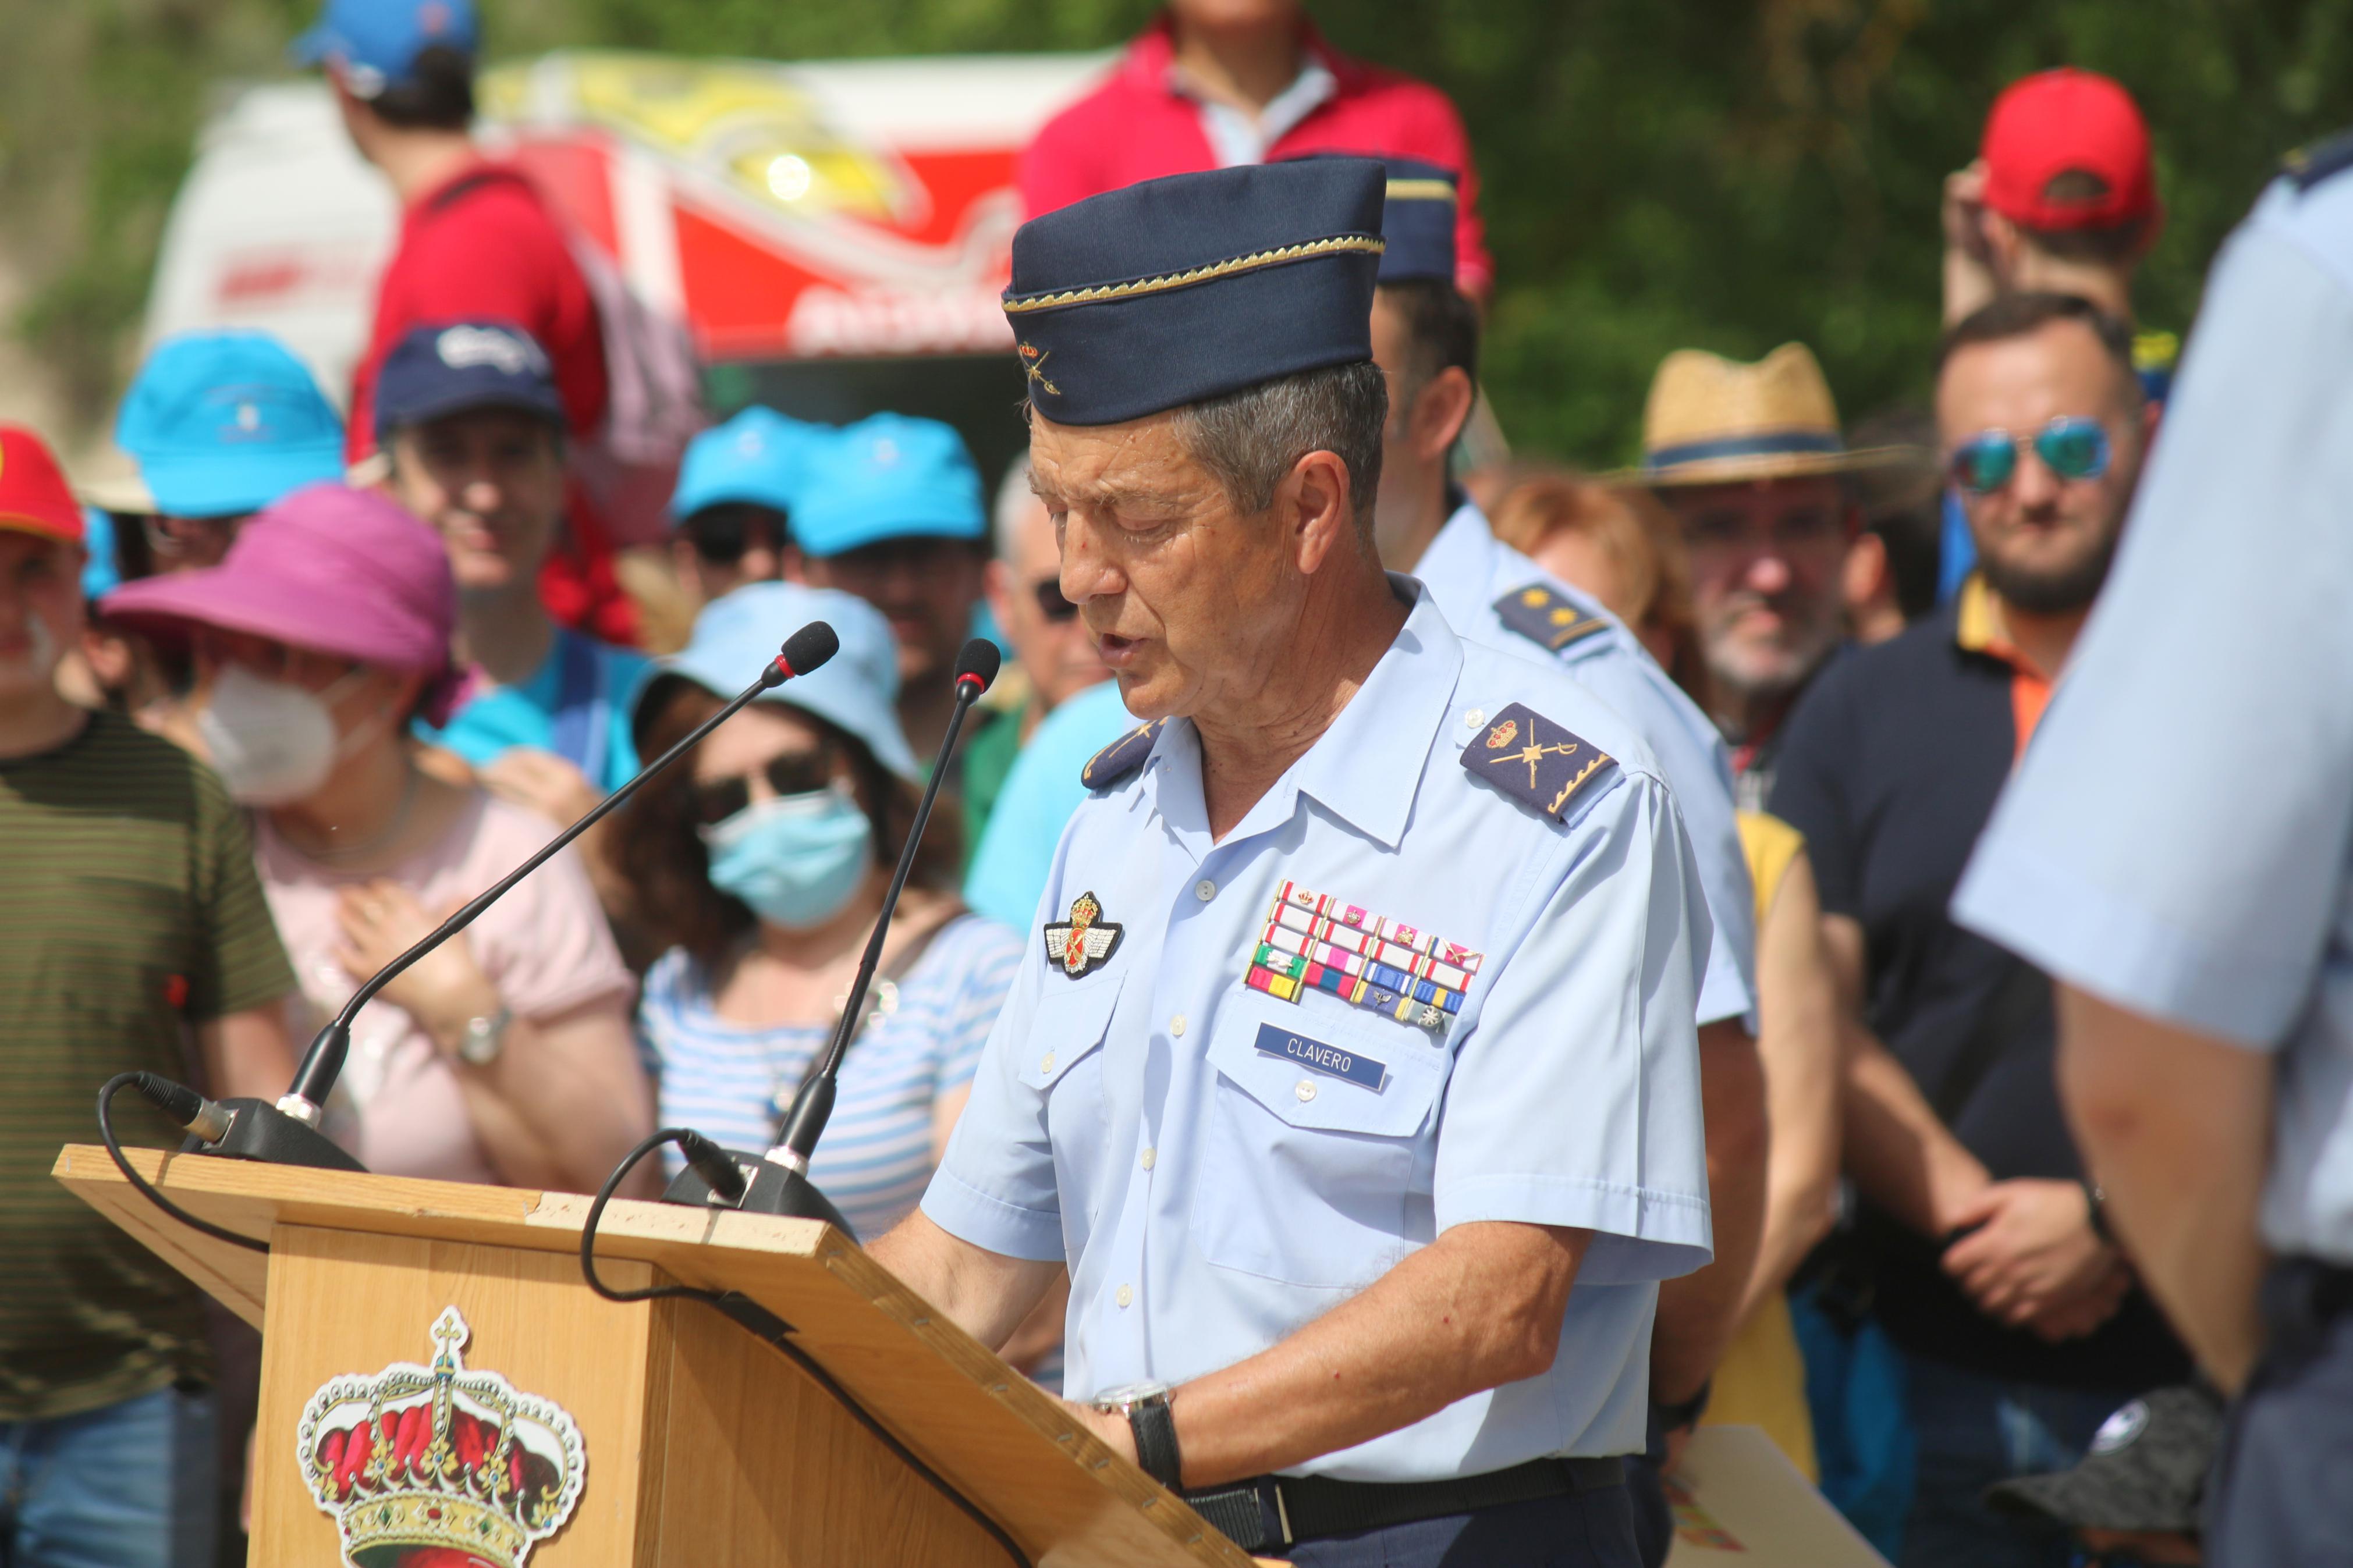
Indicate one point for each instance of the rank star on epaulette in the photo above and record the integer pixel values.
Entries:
(1542, 615)
(1083, 943)
(1122, 757)
(1535, 760)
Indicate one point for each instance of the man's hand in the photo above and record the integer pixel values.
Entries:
(1113, 1430)
(541, 782)
(2032, 1252)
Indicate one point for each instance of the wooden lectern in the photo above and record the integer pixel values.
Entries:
(697, 1444)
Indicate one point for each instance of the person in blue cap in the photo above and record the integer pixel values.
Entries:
(221, 424)
(891, 511)
(1426, 341)
(734, 500)
(469, 418)
(1352, 1072)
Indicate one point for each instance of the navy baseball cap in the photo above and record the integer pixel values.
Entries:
(373, 43)
(890, 476)
(435, 371)
(222, 424)
(1175, 290)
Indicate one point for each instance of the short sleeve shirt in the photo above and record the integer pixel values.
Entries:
(1222, 1158)
(1469, 572)
(130, 913)
(728, 1078)
(575, 704)
(2179, 837)
(544, 945)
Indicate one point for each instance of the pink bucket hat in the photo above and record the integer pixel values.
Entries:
(327, 568)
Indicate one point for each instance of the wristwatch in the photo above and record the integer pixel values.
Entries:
(481, 1040)
(2096, 1212)
(1145, 1405)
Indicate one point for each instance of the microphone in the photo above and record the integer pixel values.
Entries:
(778, 1183)
(287, 1133)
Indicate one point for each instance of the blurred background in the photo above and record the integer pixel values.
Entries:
(1704, 173)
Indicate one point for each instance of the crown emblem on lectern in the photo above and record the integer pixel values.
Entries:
(427, 1458)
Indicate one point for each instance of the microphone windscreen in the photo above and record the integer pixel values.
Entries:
(978, 661)
(809, 647)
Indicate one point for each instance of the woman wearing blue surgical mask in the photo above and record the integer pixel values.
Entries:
(764, 859)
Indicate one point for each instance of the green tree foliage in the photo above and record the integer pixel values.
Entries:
(1659, 172)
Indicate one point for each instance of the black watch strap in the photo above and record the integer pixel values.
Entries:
(1154, 1427)
(1677, 1417)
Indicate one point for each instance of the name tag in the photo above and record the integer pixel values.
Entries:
(1317, 1056)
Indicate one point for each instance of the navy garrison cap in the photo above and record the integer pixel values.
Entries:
(1418, 223)
(1175, 290)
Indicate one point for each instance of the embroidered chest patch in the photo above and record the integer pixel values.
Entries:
(1084, 943)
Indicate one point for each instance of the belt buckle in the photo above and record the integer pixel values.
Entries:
(1282, 1514)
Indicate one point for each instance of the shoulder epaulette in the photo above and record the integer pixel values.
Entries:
(1534, 760)
(1542, 615)
(2308, 166)
(1122, 757)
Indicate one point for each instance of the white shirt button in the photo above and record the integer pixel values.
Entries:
(1125, 1296)
(1306, 1090)
(1205, 889)
(1176, 1026)
(1046, 1065)
(1150, 1157)
(1473, 719)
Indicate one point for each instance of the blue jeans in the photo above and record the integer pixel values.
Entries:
(1862, 1434)
(127, 1486)
(1973, 1429)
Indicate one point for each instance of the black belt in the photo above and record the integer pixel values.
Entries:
(1268, 1513)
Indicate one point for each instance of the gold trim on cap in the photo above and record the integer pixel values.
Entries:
(1422, 190)
(1215, 269)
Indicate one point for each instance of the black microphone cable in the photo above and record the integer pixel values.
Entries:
(184, 1105)
(712, 1164)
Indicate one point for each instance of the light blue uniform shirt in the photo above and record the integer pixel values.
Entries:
(1212, 1197)
(2177, 840)
(1017, 848)
(1467, 569)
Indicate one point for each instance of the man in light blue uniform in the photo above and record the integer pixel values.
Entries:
(2175, 850)
(1353, 1075)
(1426, 339)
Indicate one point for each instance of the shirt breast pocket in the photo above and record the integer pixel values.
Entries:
(1062, 1063)
(1318, 1160)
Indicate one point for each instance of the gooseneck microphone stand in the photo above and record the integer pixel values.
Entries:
(778, 1183)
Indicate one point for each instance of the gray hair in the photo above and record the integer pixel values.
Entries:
(1249, 439)
(1014, 497)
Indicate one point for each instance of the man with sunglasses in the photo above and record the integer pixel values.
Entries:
(734, 502)
(1056, 653)
(1988, 1249)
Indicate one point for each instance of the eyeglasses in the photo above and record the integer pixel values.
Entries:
(192, 541)
(1056, 610)
(214, 648)
(787, 773)
(2071, 448)
(721, 534)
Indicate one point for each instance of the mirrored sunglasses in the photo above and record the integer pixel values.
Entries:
(2070, 449)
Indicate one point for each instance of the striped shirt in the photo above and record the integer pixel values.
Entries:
(129, 912)
(725, 1078)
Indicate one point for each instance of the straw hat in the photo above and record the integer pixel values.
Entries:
(1713, 421)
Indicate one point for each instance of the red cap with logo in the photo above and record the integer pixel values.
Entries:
(2068, 121)
(33, 495)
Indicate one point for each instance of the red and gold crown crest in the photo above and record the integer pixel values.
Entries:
(423, 1460)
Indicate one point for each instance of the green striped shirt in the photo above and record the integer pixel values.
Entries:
(129, 912)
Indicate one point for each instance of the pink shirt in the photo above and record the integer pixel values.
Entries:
(544, 946)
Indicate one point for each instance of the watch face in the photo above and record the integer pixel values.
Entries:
(1125, 1394)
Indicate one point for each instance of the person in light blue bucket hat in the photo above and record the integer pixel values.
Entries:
(892, 511)
(760, 863)
(221, 425)
(736, 493)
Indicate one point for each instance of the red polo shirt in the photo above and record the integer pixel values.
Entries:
(1138, 126)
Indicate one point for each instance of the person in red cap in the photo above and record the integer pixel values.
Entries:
(133, 921)
(2060, 200)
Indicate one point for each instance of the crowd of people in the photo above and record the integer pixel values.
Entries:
(265, 722)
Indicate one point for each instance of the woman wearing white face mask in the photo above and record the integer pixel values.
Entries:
(504, 1057)
(764, 858)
